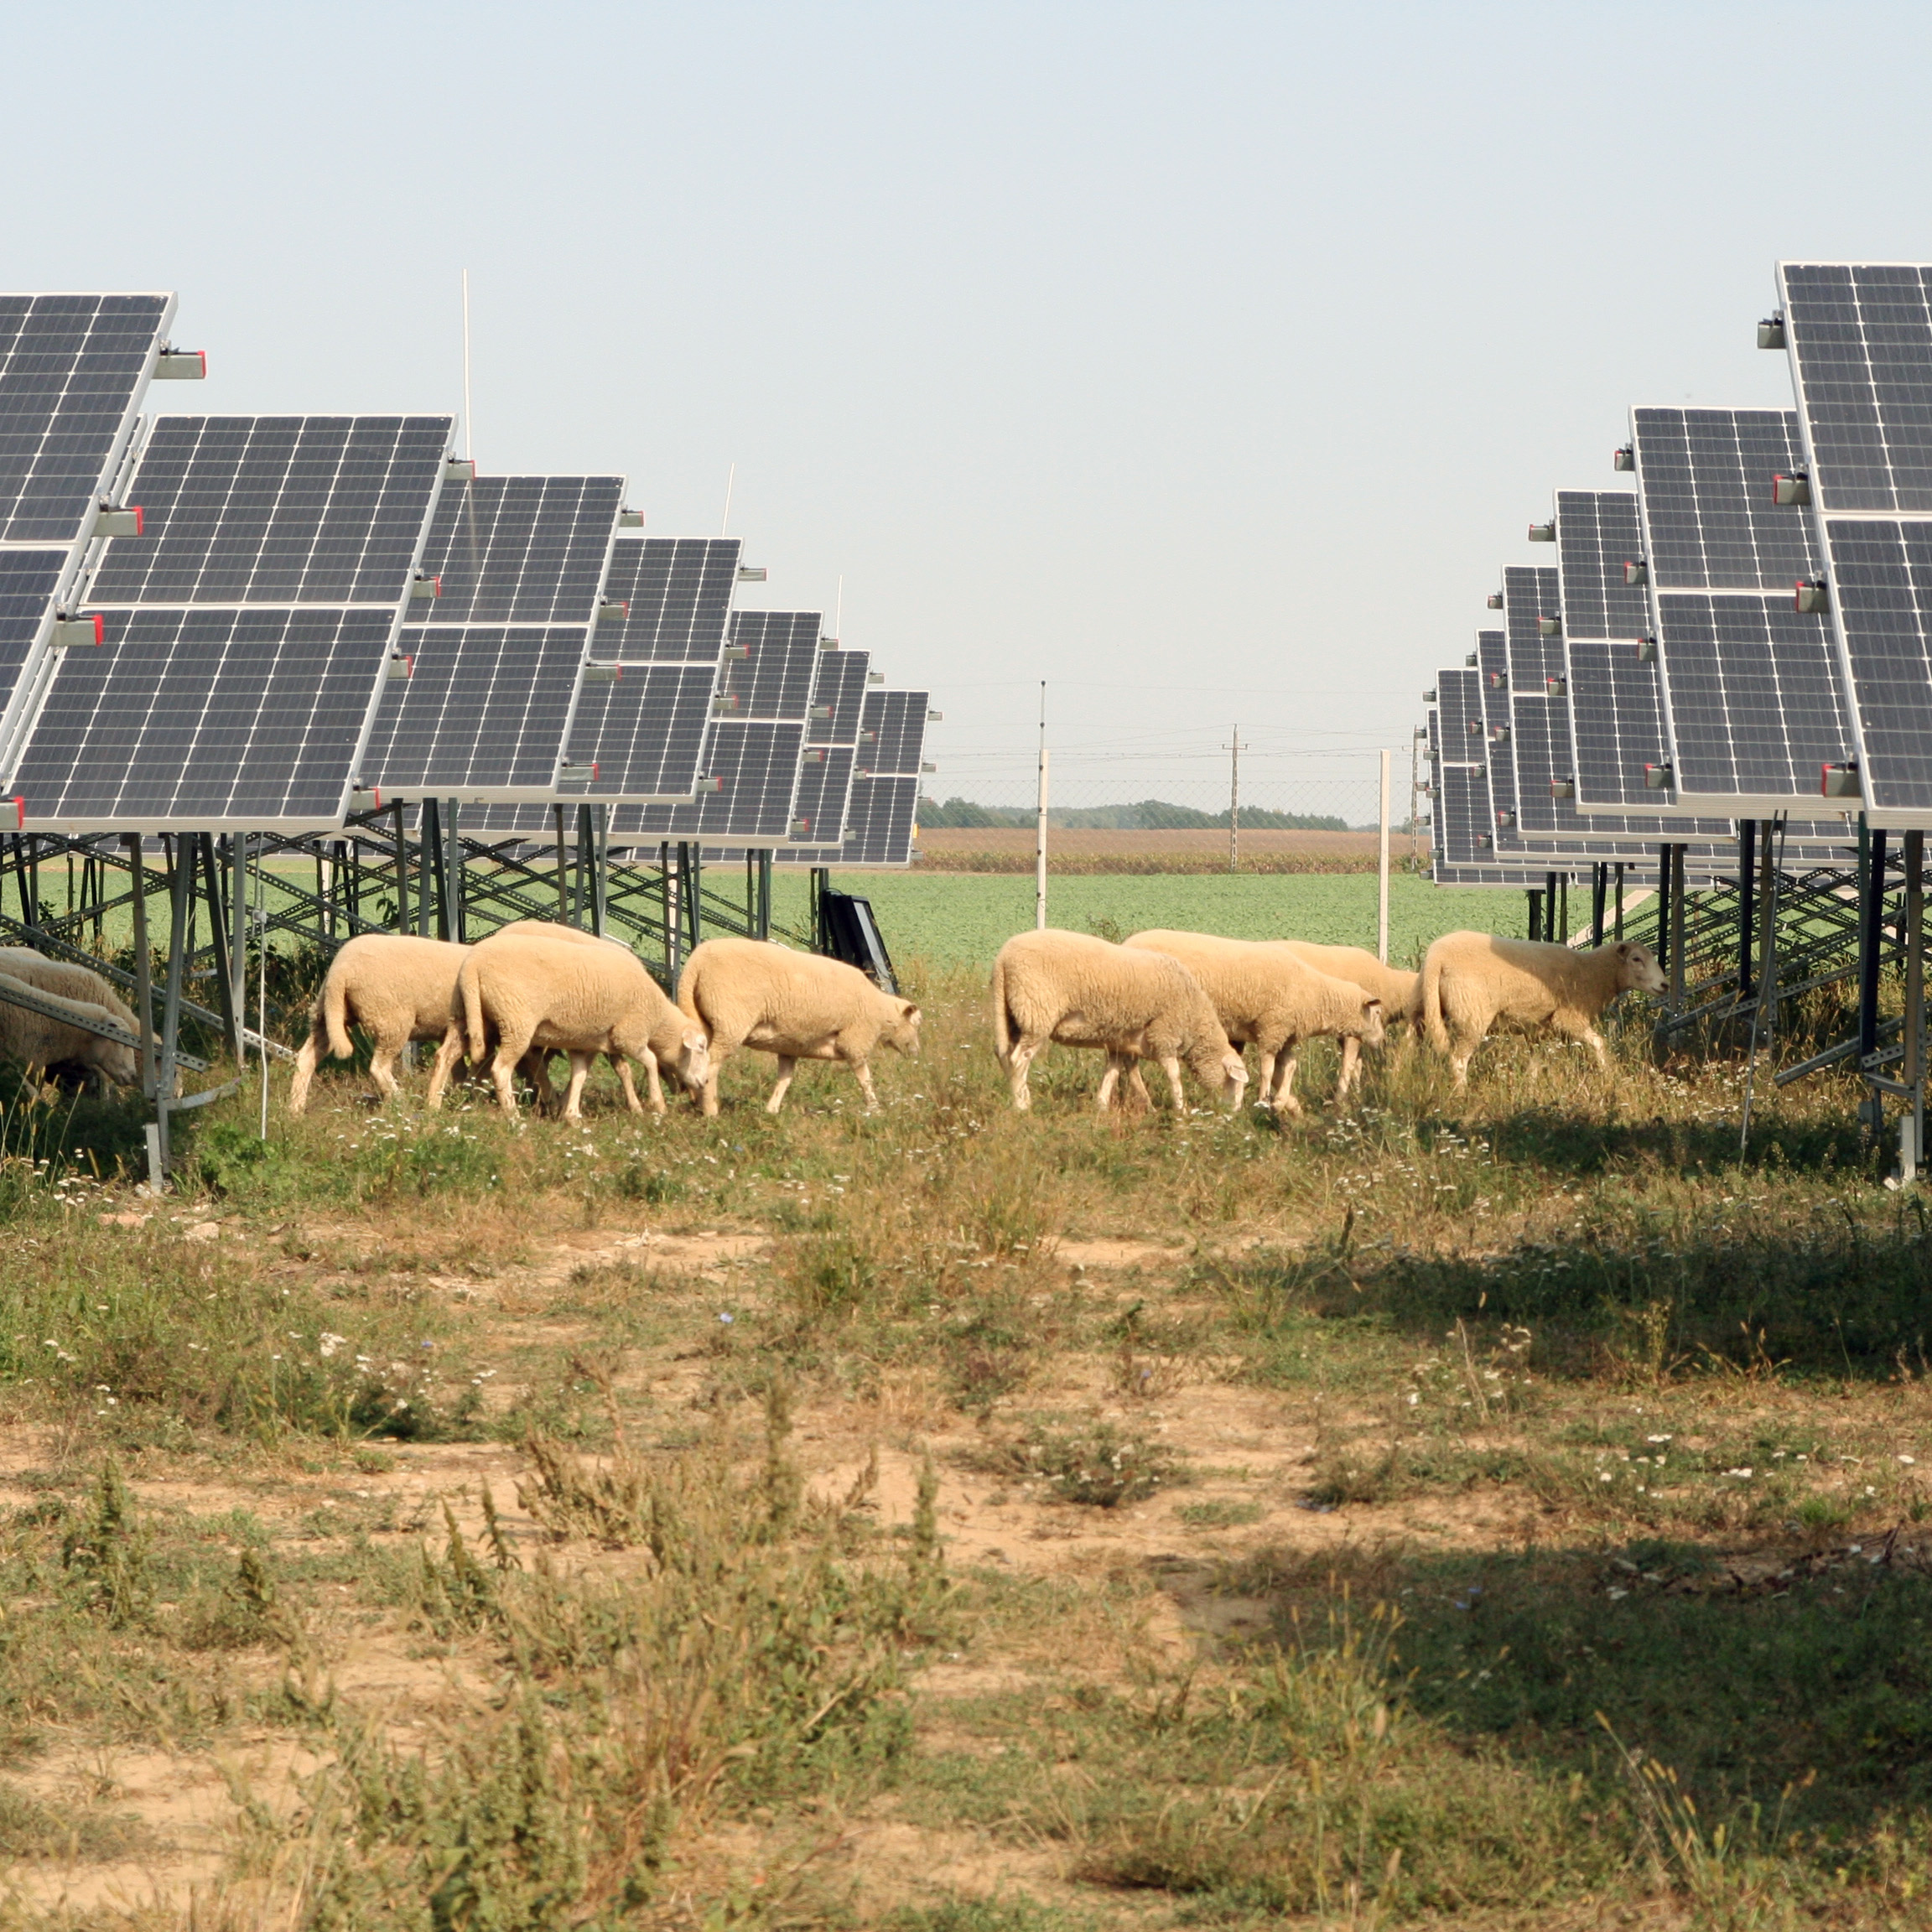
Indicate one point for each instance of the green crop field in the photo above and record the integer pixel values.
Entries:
(960, 919)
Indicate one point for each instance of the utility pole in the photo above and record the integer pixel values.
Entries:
(1233, 751)
(1382, 890)
(1039, 835)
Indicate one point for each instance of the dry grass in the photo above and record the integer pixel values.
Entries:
(1507, 1510)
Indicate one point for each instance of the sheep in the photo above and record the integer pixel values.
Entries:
(1133, 1004)
(1266, 995)
(543, 991)
(397, 986)
(665, 1043)
(752, 993)
(39, 1042)
(70, 979)
(1393, 987)
(1472, 979)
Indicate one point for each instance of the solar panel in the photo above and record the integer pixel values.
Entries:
(190, 719)
(881, 815)
(1749, 687)
(482, 715)
(1860, 338)
(825, 772)
(30, 582)
(1597, 536)
(1615, 709)
(751, 757)
(486, 710)
(197, 714)
(520, 550)
(756, 769)
(676, 592)
(72, 369)
(1705, 481)
(277, 510)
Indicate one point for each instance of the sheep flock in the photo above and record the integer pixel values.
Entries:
(506, 1004)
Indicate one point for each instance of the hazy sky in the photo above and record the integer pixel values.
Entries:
(1207, 361)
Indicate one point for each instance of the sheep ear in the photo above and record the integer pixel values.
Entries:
(909, 1011)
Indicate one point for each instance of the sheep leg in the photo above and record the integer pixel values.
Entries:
(447, 1055)
(579, 1072)
(1351, 1067)
(509, 1051)
(1171, 1067)
(1018, 1061)
(862, 1071)
(305, 1073)
(786, 1067)
(381, 1062)
(630, 1086)
(1282, 1100)
(1595, 1042)
(1107, 1081)
(1264, 1086)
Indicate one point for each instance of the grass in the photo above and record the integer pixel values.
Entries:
(1505, 1510)
(952, 920)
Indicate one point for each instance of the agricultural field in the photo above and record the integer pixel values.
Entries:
(952, 919)
(1502, 1511)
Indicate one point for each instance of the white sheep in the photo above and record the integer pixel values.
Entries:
(39, 1042)
(555, 993)
(796, 1005)
(1132, 1004)
(536, 1063)
(394, 986)
(1470, 980)
(1392, 985)
(67, 978)
(1267, 996)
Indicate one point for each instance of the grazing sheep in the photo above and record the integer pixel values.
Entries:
(1393, 987)
(1470, 980)
(39, 1042)
(396, 987)
(536, 1063)
(1133, 1004)
(751, 993)
(70, 981)
(537, 991)
(1267, 995)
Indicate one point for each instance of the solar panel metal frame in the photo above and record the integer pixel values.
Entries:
(1876, 536)
(1703, 628)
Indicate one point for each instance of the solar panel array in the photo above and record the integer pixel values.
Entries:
(1750, 635)
(307, 612)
